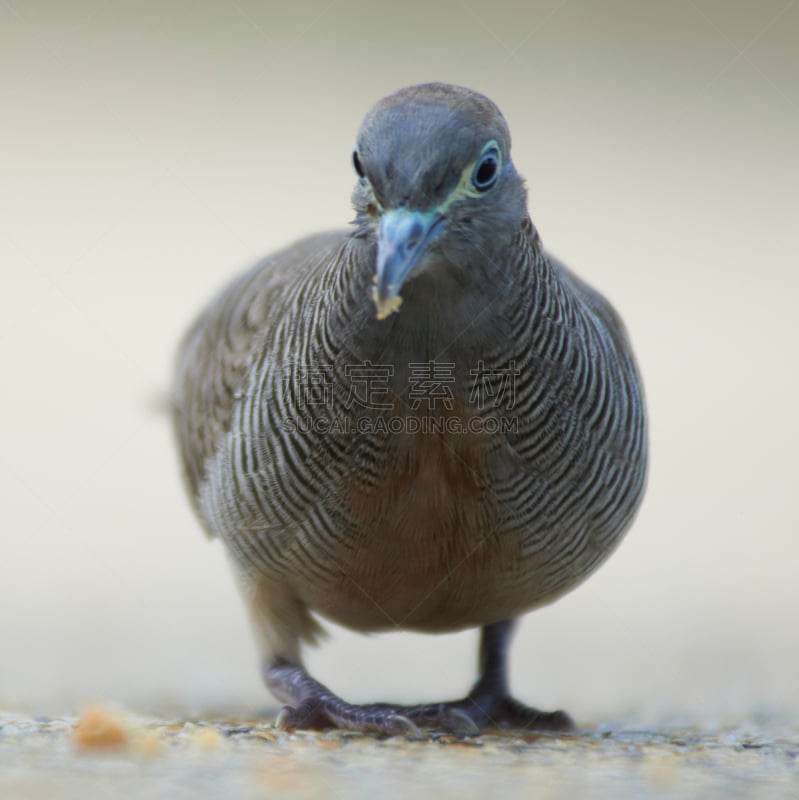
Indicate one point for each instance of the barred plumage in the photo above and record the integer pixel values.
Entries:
(348, 506)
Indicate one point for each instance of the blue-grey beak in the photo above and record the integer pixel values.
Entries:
(402, 239)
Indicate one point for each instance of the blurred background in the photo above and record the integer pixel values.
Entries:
(152, 150)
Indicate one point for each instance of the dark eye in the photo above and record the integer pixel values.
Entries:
(356, 162)
(486, 170)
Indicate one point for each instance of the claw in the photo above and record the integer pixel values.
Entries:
(403, 726)
(562, 722)
(486, 706)
(461, 723)
(283, 720)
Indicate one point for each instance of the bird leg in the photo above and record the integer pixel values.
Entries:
(488, 705)
(490, 697)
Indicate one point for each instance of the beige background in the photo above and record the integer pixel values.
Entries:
(150, 150)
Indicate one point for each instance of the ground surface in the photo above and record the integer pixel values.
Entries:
(105, 753)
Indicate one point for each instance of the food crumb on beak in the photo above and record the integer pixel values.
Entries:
(387, 307)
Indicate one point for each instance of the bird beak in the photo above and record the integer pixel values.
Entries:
(402, 239)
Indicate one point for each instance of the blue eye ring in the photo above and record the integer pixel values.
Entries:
(486, 170)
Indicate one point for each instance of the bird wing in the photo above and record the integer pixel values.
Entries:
(214, 357)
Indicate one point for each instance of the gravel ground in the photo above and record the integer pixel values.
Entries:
(114, 753)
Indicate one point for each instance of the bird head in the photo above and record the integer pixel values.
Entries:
(435, 184)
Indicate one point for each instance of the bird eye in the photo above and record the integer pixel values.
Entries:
(356, 162)
(486, 170)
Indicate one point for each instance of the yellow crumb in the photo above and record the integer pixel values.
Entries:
(100, 729)
(207, 739)
(148, 745)
(387, 307)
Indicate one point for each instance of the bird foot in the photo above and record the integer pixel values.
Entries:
(314, 706)
(321, 713)
(501, 711)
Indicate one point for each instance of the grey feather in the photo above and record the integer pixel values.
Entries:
(439, 531)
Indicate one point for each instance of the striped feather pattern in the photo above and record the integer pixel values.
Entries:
(435, 531)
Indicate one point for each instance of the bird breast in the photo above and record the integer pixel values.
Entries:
(422, 537)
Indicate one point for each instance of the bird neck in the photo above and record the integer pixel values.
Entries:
(453, 313)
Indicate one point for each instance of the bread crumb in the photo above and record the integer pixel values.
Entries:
(329, 744)
(204, 738)
(100, 729)
(148, 745)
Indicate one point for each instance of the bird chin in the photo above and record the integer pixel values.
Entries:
(390, 304)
